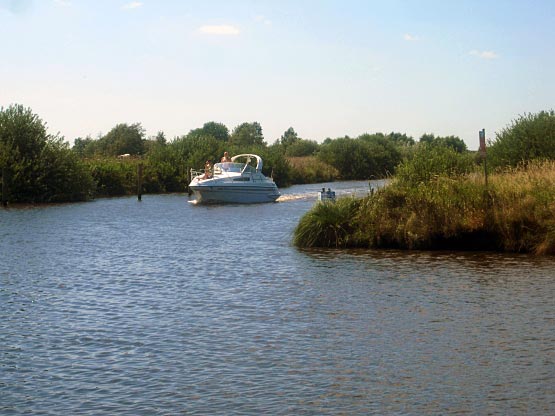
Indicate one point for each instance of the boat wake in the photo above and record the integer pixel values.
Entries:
(312, 194)
(295, 197)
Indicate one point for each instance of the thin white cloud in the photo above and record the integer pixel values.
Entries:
(63, 3)
(484, 54)
(262, 19)
(220, 30)
(411, 38)
(132, 5)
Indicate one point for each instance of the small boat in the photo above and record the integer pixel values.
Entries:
(237, 182)
(328, 195)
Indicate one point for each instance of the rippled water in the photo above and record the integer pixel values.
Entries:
(163, 307)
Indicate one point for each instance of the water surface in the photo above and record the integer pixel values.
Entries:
(163, 307)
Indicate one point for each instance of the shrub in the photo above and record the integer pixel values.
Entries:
(301, 148)
(529, 137)
(40, 167)
(311, 170)
(431, 161)
(327, 224)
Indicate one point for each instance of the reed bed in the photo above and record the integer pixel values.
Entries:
(327, 224)
(514, 213)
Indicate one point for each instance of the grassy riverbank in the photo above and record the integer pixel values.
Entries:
(515, 213)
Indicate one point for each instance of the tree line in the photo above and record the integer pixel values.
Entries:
(41, 167)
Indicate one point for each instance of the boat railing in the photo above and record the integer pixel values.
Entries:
(196, 172)
(218, 169)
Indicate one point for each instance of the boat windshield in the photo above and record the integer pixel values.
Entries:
(228, 167)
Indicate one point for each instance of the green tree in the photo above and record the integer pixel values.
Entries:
(61, 176)
(122, 139)
(289, 137)
(427, 138)
(217, 130)
(302, 147)
(22, 132)
(84, 147)
(384, 151)
(453, 142)
(351, 157)
(275, 164)
(401, 139)
(40, 166)
(431, 161)
(247, 135)
(530, 136)
(23, 136)
(160, 138)
(193, 150)
(211, 129)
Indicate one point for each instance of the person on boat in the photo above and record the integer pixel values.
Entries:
(226, 157)
(207, 170)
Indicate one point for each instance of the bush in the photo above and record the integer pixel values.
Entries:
(531, 136)
(432, 161)
(441, 213)
(311, 170)
(516, 213)
(63, 177)
(40, 167)
(369, 156)
(301, 148)
(114, 177)
(327, 224)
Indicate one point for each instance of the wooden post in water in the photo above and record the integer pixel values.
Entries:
(5, 187)
(188, 181)
(139, 181)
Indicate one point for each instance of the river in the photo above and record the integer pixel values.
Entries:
(163, 307)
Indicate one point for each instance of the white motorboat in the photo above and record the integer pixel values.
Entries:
(234, 182)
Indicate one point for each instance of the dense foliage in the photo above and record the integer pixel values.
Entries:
(309, 169)
(453, 142)
(529, 137)
(289, 160)
(430, 161)
(440, 200)
(38, 167)
(514, 213)
(366, 157)
(122, 139)
(247, 134)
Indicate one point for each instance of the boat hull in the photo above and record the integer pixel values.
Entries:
(234, 194)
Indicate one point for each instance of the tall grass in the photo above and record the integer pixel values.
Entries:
(515, 213)
(523, 207)
(328, 224)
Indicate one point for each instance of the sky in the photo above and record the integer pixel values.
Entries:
(325, 68)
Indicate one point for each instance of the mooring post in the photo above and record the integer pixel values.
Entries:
(188, 181)
(139, 181)
(5, 191)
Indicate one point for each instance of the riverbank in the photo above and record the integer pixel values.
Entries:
(514, 213)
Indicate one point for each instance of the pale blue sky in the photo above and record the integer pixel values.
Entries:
(326, 68)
